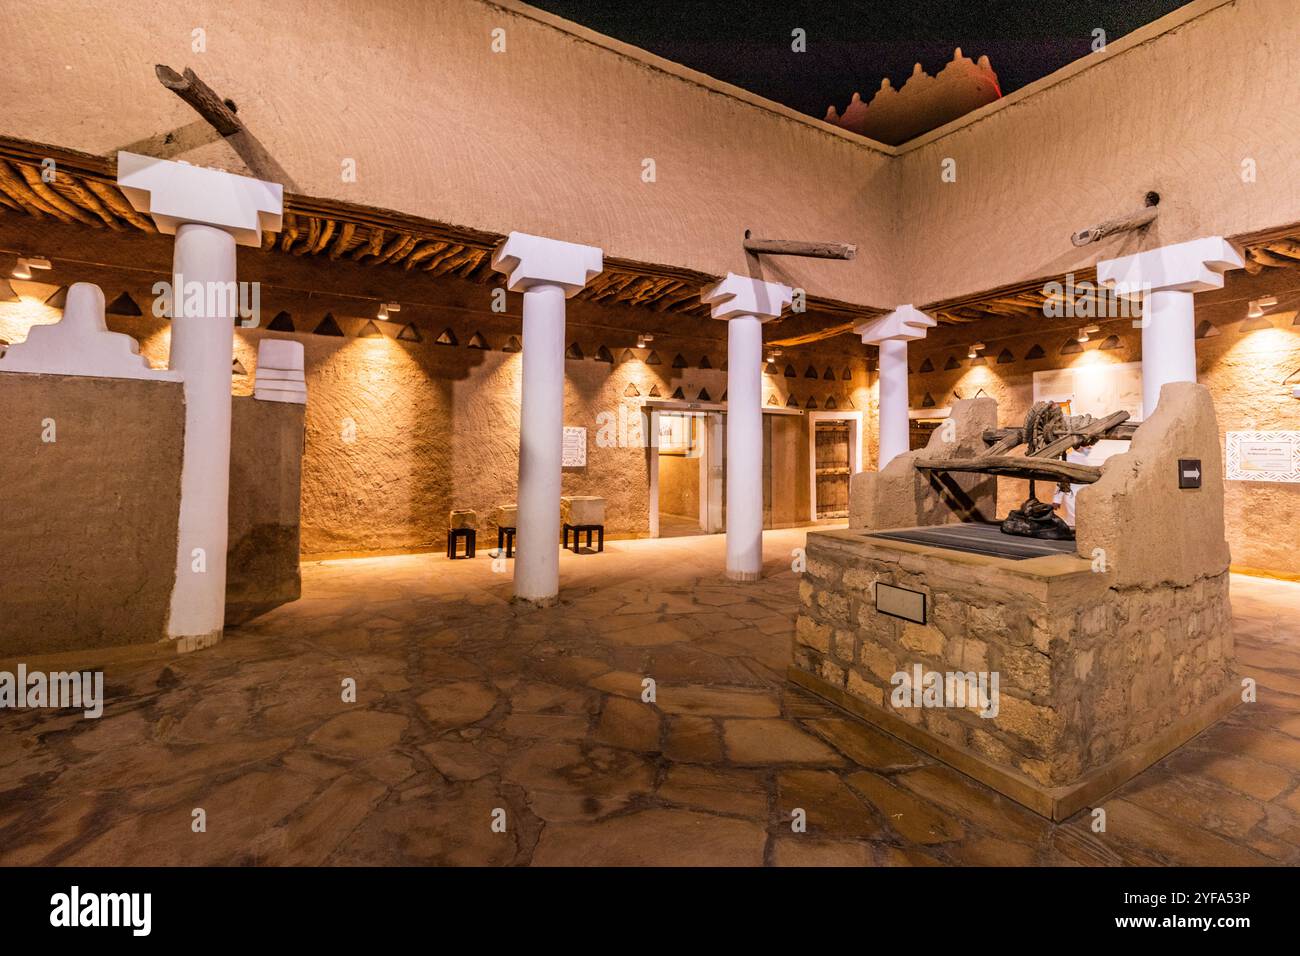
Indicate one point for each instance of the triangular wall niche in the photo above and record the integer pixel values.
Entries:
(123, 305)
(328, 326)
(283, 322)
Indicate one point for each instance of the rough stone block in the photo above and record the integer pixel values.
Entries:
(923, 639)
(807, 631)
(582, 509)
(832, 673)
(863, 689)
(462, 518)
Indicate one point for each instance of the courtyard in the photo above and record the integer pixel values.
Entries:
(486, 732)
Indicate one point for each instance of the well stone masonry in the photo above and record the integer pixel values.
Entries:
(1101, 668)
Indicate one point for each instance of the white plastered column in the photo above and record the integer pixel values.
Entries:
(209, 212)
(546, 271)
(745, 304)
(891, 333)
(1167, 280)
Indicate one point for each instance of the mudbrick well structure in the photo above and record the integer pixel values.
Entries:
(1051, 669)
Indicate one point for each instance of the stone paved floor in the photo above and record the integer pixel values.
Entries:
(467, 705)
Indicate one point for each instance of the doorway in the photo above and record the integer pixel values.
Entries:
(686, 472)
(835, 453)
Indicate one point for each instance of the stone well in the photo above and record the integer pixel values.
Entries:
(1106, 657)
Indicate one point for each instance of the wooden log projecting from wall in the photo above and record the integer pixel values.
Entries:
(793, 247)
(1123, 224)
(219, 113)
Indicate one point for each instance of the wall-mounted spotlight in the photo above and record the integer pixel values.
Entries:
(1258, 307)
(1087, 331)
(1255, 314)
(23, 270)
(976, 349)
(387, 307)
(644, 340)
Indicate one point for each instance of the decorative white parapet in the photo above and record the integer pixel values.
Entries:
(209, 212)
(81, 344)
(891, 333)
(745, 304)
(280, 376)
(1167, 279)
(546, 271)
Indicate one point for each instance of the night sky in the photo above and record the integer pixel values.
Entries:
(852, 45)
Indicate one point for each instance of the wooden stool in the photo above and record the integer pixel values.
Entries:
(454, 535)
(598, 529)
(506, 540)
(507, 518)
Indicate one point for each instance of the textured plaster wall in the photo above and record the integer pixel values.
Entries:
(398, 433)
(553, 134)
(1178, 114)
(550, 136)
(88, 544)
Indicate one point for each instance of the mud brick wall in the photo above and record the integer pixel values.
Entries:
(88, 540)
(266, 447)
(88, 536)
(1085, 671)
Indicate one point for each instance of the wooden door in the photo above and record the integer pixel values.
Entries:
(832, 469)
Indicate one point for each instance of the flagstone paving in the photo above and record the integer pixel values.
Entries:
(485, 733)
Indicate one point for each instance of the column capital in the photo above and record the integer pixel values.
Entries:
(174, 194)
(529, 260)
(741, 295)
(1195, 266)
(904, 324)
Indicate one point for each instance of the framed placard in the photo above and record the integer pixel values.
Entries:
(573, 453)
(900, 602)
(1263, 456)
